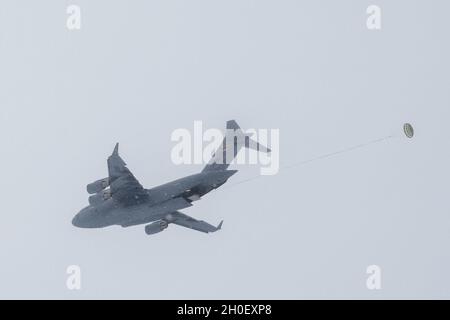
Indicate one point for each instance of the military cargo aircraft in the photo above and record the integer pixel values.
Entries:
(121, 200)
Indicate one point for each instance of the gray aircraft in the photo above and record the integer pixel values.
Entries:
(121, 200)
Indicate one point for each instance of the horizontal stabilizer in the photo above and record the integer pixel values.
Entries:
(254, 145)
(234, 140)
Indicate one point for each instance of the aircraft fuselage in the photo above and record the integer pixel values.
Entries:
(161, 201)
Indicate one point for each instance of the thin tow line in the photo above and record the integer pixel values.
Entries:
(321, 157)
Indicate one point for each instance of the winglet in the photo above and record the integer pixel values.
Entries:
(219, 226)
(232, 124)
(116, 150)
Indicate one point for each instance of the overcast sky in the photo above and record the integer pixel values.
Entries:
(136, 71)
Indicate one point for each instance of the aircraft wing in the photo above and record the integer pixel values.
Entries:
(184, 220)
(125, 188)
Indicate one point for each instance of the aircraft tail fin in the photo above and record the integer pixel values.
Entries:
(233, 141)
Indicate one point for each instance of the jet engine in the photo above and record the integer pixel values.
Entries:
(97, 186)
(99, 197)
(156, 227)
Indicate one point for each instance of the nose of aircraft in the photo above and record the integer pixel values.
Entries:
(81, 219)
(87, 218)
(76, 220)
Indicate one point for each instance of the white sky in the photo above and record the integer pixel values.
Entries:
(137, 71)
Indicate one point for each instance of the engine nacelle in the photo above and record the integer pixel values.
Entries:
(100, 197)
(97, 186)
(156, 227)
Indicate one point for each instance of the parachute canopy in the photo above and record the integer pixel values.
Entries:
(409, 130)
